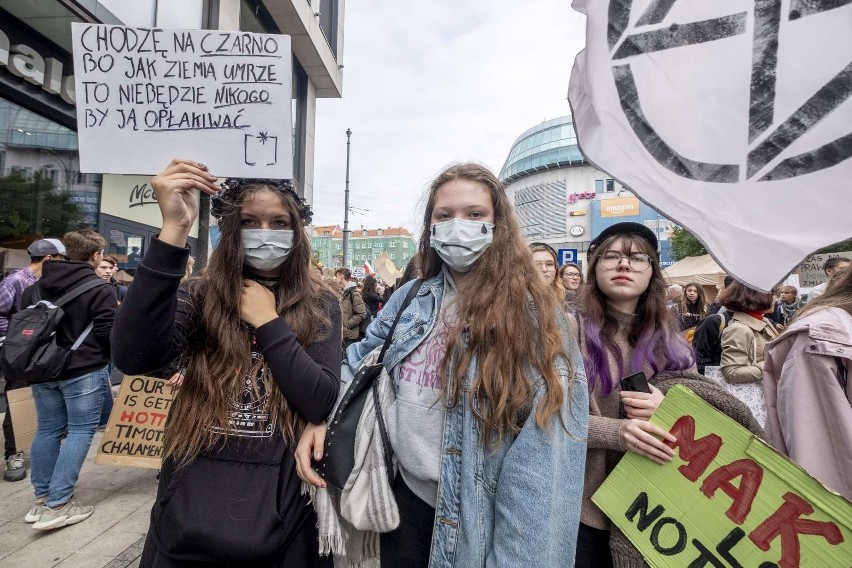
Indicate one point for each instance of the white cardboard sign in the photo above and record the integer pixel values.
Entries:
(733, 118)
(147, 95)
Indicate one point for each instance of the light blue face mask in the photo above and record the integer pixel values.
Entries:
(266, 249)
(460, 242)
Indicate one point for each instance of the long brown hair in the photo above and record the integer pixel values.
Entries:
(219, 351)
(837, 295)
(654, 337)
(700, 303)
(508, 319)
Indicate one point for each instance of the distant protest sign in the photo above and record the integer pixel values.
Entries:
(726, 500)
(134, 434)
(146, 95)
(811, 271)
(733, 119)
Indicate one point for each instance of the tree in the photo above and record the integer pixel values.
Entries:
(33, 206)
(842, 246)
(684, 244)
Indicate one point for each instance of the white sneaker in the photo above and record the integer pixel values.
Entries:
(70, 513)
(35, 513)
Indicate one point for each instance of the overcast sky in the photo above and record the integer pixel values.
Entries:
(426, 84)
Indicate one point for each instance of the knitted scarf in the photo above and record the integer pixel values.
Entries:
(349, 521)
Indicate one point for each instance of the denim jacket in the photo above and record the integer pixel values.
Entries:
(518, 504)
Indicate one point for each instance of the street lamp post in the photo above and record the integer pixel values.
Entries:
(346, 206)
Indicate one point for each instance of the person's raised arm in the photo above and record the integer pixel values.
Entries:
(152, 323)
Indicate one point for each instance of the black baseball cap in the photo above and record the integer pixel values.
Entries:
(635, 229)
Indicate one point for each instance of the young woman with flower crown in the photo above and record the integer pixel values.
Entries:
(489, 421)
(259, 337)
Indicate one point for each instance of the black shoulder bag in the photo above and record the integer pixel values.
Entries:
(339, 453)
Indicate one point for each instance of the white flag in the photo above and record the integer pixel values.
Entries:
(732, 117)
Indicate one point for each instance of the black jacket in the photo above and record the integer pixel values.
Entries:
(97, 305)
(707, 340)
(238, 504)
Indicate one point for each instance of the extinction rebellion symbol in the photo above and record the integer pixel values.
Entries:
(768, 138)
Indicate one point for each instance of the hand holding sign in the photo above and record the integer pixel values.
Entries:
(638, 436)
(175, 191)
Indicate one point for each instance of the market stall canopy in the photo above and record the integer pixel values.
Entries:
(701, 269)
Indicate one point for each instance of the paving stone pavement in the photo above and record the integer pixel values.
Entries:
(111, 538)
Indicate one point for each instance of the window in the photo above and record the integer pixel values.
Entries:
(338, 246)
(326, 234)
(392, 244)
(405, 244)
(610, 185)
(599, 186)
(393, 256)
(379, 232)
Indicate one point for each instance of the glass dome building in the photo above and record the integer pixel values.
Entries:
(546, 146)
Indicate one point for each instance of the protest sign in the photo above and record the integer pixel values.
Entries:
(21, 407)
(148, 95)
(811, 271)
(731, 118)
(726, 499)
(134, 434)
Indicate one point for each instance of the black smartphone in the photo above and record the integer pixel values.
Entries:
(635, 382)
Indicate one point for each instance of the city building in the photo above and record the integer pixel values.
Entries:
(563, 200)
(43, 193)
(365, 245)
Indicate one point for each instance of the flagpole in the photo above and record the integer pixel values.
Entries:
(346, 207)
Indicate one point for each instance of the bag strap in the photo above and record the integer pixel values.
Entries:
(81, 289)
(408, 298)
(83, 336)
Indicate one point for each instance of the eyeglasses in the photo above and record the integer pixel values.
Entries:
(572, 275)
(637, 262)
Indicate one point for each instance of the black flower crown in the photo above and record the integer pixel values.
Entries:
(232, 188)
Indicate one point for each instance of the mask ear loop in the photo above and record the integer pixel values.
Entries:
(433, 230)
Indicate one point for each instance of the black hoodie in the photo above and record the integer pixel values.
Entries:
(97, 305)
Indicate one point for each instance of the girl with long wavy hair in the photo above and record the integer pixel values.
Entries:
(693, 306)
(624, 327)
(489, 421)
(258, 335)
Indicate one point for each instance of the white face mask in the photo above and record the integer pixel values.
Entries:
(460, 243)
(266, 249)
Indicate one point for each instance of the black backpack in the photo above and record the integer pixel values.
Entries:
(30, 351)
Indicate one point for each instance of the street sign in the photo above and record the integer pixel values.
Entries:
(567, 255)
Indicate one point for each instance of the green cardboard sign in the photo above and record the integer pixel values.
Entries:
(726, 500)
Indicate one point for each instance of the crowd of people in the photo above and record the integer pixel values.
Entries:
(514, 379)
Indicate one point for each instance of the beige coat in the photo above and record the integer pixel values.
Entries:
(352, 311)
(743, 344)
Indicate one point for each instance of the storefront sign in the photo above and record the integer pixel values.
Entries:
(620, 207)
(573, 197)
(222, 98)
(132, 198)
(811, 271)
(28, 64)
(726, 499)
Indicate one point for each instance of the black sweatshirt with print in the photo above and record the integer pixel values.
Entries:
(239, 503)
